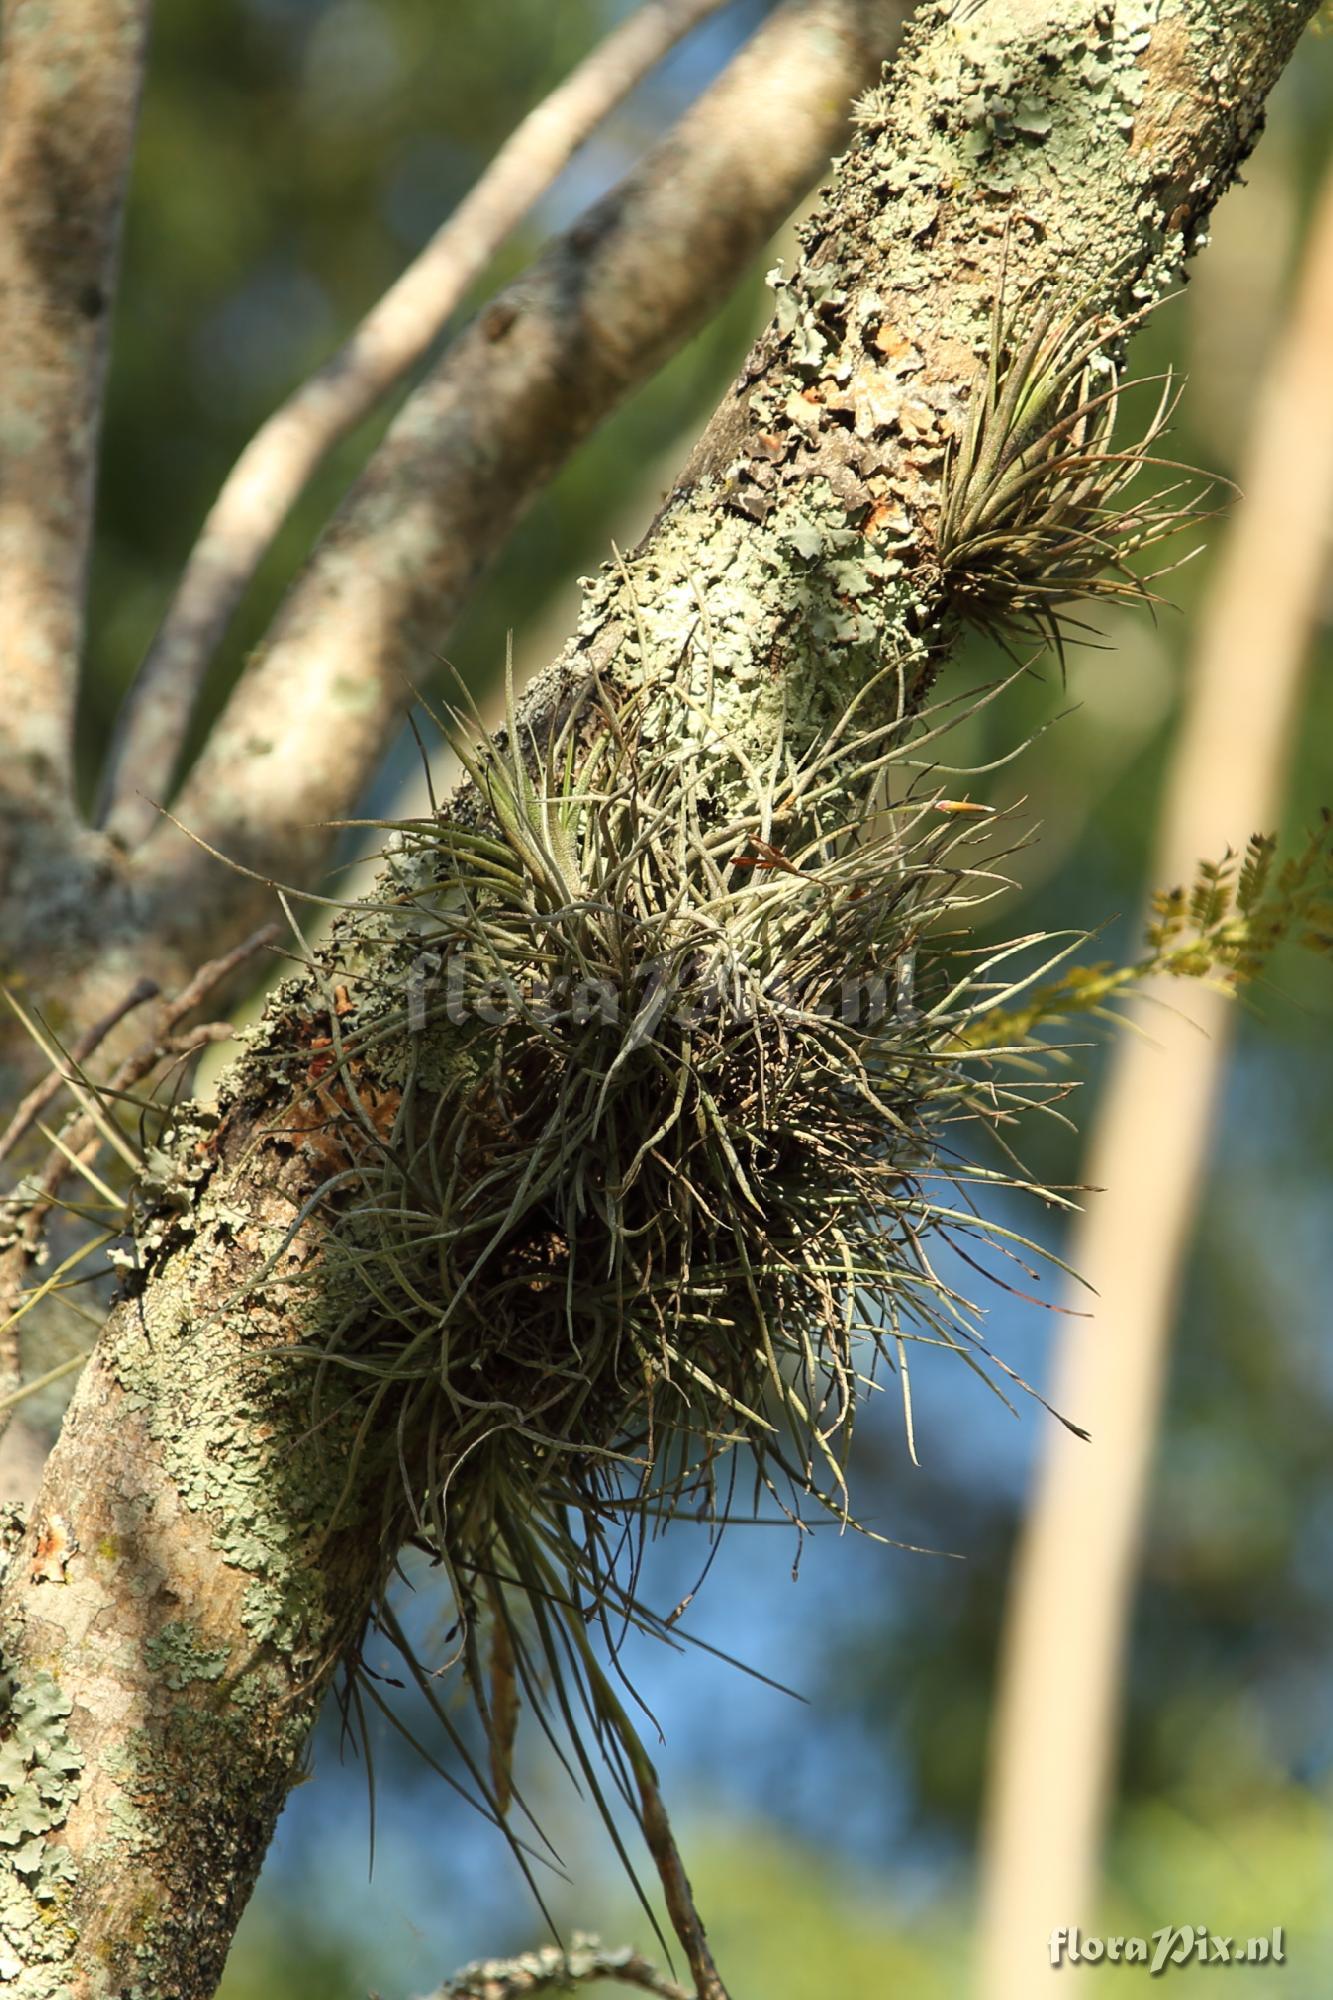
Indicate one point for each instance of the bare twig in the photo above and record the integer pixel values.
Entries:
(662, 1846)
(658, 1837)
(163, 1043)
(598, 313)
(280, 459)
(216, 973)
(1056, 1724)
(69, 89)
(80, 1143)
(88, 1043)
(551, 1970)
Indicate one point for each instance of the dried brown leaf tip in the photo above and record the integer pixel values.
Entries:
(1036, 510)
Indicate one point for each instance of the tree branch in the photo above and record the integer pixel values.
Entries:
(280, 459)
(602, 310)
(69, 89)
(89, 917)
(598, 314)
(224, 1550)
(551, 1970)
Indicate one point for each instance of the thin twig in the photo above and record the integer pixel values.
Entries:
(69, 91)
(599, 312)
(661, 1843)
(216, 973)
(165, 1043)
(285, 452)
(657, 1834)
(79, 1144)
(88, 1043)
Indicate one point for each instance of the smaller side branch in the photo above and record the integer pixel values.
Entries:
(33, 1105)
(82, 1140)
(511, 399)
(551, 1970)
(15, 1258)
(69, 91)
(281, 458)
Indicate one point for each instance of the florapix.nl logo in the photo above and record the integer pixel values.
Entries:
(1170, 1945)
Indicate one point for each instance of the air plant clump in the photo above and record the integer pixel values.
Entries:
(682, 1199)
(1036, 511)
(684, 1193)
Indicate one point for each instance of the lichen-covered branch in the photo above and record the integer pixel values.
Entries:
(597, 314)
(551, 1970)
(188, 1599)
(69, 90)
(280, 459)
(201, 1549)
(80, 918)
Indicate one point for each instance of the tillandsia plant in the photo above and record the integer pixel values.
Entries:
(649, 1168)
(645, 1135)
(657, 1152)
(1035, 512)
(661, 1100)
(640, 1162)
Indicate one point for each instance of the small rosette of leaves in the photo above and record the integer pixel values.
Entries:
(1036, 509)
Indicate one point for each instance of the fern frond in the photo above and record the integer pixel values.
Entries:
(1224, 926)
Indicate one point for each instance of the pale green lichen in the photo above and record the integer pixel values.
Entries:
(214, 1405)
(1007, 143)
(40, 1767)
(39, 1764)
(263, 1515)
(705, 591)
(179, 1657)
(794, 573)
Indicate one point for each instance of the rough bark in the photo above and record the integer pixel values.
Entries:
(69, 91)
(205, 1590)
(791, 564)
